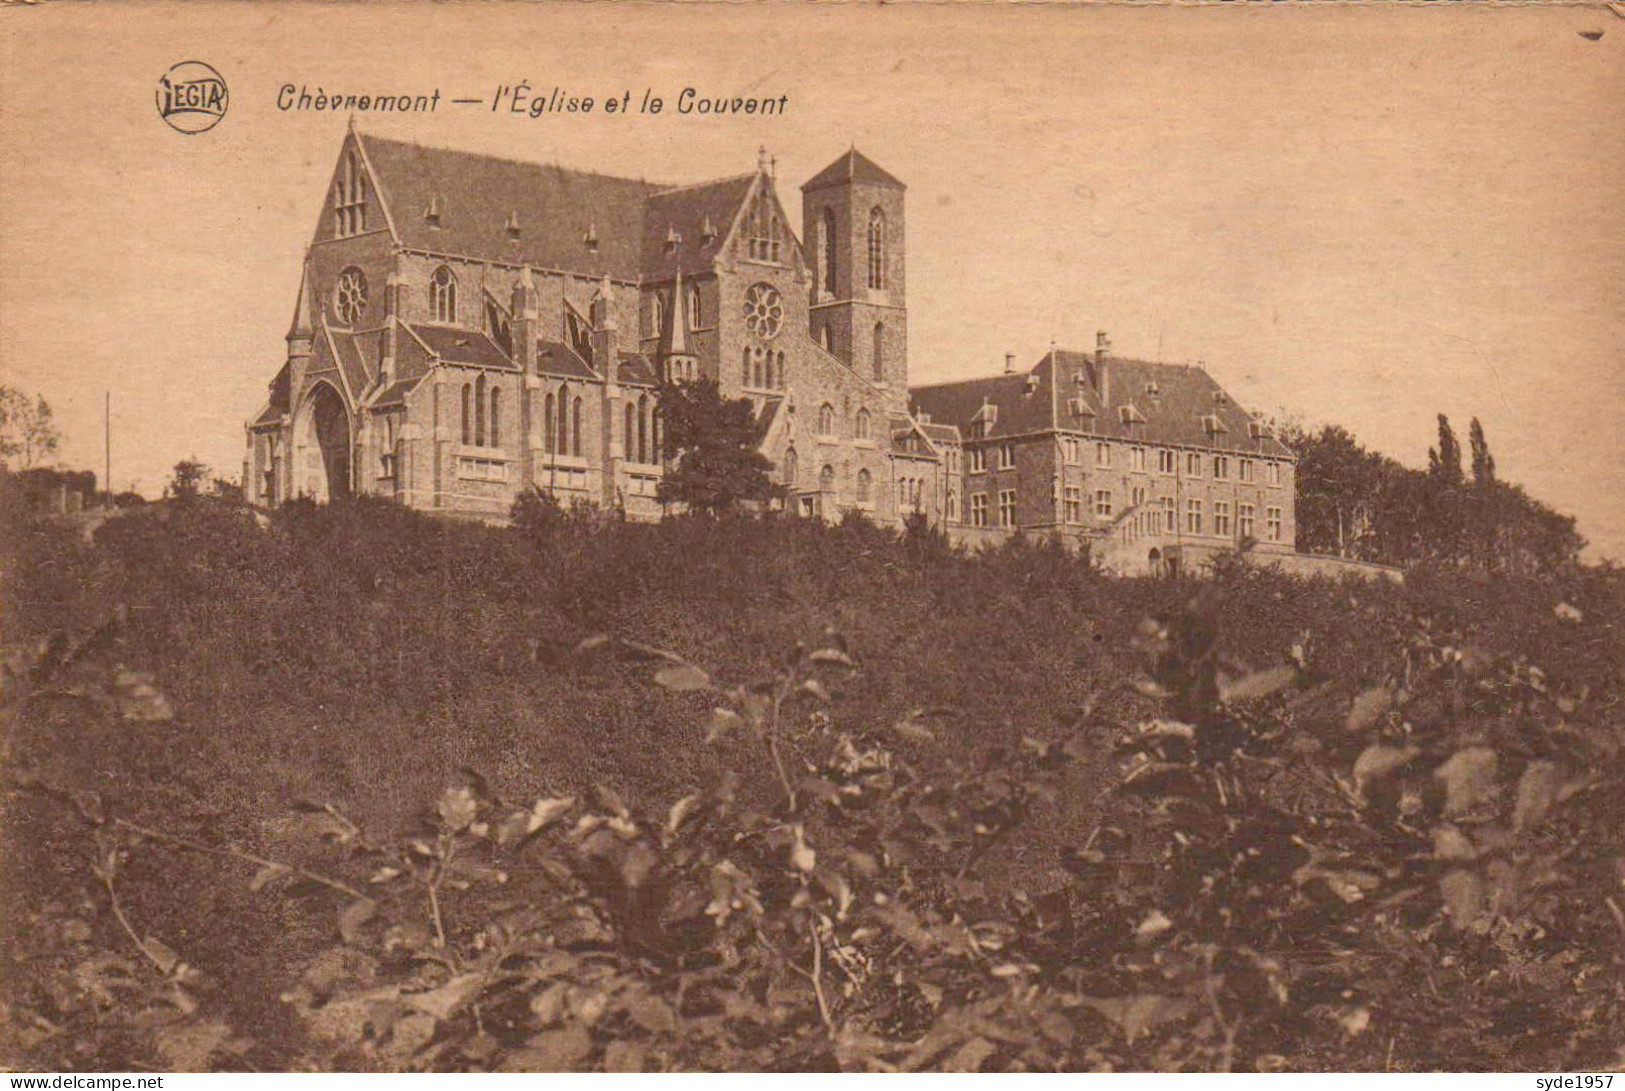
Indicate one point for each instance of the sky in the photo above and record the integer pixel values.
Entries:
(1365, 216)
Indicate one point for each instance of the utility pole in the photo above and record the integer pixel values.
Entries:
(107, 445)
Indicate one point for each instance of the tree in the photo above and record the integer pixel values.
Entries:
(27, 432)
(710, 443)
(1444, 461)
(1483, 461)
(188, 479)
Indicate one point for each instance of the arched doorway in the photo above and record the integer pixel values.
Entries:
(321, 438)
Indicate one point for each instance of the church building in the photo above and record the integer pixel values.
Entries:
(468, 327)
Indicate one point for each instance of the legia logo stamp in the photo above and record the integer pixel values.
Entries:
(192, 97)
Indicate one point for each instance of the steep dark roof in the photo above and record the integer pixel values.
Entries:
(353, 359)
(476, 194)
(557, 358)
(958, 403)
(636, 368)
(395, 393)
(687, 212)
(1176, 402)
(854, 166)
(460, 346)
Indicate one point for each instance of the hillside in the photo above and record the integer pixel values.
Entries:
(349, 787)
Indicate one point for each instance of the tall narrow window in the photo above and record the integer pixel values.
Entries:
(778, 372)
(860, 430)
(494, 425)
(829, 250)
(763, 228)
(443, 295)
(629, 433)
(825, 342)
(744, 367)
(643, 428)
(657, 305)
(863, 486)
(549, 422)
(880, 352)
(696, 316)
(877, 249)
(826, 479)
(468, 414)
(826, 420)
(575, 429)
(564, 421)
(790, 467)
(479, 411)
(350, 199)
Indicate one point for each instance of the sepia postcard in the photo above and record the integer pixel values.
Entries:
(811, 537)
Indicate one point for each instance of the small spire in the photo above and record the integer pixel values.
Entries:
(676, 335)
(525, 280)
(761, 159)
(301, 326)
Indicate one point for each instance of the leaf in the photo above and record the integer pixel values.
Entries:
(680, 812)
(682, 678)
(652, 1014)
(354, 915)
(1537, 791)
(189, 1047)
(1463, 895)
(1250, 687)
(267, 874)
(1468, 778)
(909, 727)
(551, 1051)
(1368, 707)
(832, 655)
(1139, 1013)
(623, 1056)
(1379, 760)
(163, 956)
(138, 699)
(548, 811)
(1450, 843)
(722, 723)
(458, 808)
(906, 925)
(448, 999)
(969, 1056)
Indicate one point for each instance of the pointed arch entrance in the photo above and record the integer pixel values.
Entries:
(321, 445)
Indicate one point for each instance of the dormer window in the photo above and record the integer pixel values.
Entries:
(512, 226)
(1213, 425)
(708, 230)
(1128, 414)
(350, 198)
(673, 239)
(590, 239)
(1153, 388)
(1257, 429)
(432, 213)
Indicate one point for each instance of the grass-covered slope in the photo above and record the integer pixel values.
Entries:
(1049, 819)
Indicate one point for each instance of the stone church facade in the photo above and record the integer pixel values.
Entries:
(468, 327)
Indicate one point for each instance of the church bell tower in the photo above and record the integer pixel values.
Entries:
(852, 220)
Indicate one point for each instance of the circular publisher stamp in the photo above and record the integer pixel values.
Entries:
(192, 97)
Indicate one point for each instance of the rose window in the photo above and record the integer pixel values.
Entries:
(764, 311)
(351, 296)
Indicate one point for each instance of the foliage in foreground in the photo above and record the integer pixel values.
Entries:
(1309, 854)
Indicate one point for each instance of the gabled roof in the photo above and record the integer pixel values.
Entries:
(1153, 403)
(353, 359)
(459, 346)
(395, 393)
(476, 195)
(854, 166)
(688, 226)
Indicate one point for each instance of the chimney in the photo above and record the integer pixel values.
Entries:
(1103, 382)
(1009, 363)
